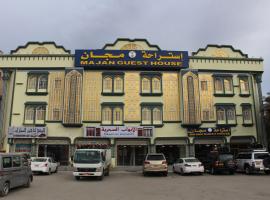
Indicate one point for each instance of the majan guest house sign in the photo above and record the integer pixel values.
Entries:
(131, 58)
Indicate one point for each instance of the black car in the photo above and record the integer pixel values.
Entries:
(219, 162)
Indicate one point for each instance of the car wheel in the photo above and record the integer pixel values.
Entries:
(144, 174)
(28, 183)
(182, 172)
(165, 174)
(77, 178)
(267, 171)
(247, 170)
(213, 171)
(107, 173)
(231, 172)
(5, 189)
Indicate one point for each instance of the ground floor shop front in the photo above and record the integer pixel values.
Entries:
(131, 151)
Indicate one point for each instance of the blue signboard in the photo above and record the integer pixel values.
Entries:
(131, 58)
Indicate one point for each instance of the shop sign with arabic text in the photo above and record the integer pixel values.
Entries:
(27, 132)
(194, 132)
(131, 58)
(119, 132)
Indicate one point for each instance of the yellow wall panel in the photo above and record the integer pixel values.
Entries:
(92, 87)
(171, 97)
(132, 107)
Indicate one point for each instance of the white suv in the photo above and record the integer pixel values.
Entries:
(253, 161)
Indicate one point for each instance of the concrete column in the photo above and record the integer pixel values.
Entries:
(192, 150)
(4, 114)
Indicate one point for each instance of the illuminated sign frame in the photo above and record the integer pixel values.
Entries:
(200, 132)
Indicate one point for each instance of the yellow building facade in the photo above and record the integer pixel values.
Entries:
(50, 106)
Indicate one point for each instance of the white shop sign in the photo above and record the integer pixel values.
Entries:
(119, 132)
(27, 132)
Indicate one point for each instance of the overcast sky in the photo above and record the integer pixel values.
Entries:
(171, 24)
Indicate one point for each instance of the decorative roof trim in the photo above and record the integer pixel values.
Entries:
(39, 43)
(130, 40)
(220, 46)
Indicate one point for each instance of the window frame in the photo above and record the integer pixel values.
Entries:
(244, 106)
(223, 77)
(226, 108)
(113, 76)
(37, 90)
(35, 105)
(240, 77)
(112, 106)
(151, 76)
(151, 107)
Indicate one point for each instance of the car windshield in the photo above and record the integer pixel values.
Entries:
(155, 157)
(91, 157)
(261, 155)
(39, 160)
(223, 157)
(192, 160)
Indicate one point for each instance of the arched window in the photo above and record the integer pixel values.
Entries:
(106, 115)
(146, 116)
(228, 85)
(117, 116)
(221, 117)
(32, 83)
(231, 115)
(156, 84)
(40, 114)
(29, 114)
(146, 85)
(42, 82)
(107, 84)
(118, 84)
(218, 85)
(157, 118)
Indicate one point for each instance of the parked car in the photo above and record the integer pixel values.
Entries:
(219, 162)
(14, 172)
(253, 161)
(155, 163)
(44, 165)
(188, 166)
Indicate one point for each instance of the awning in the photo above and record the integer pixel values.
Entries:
(242, 140)
(212, 140)
(171, 141)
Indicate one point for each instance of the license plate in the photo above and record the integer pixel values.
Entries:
(36, 165)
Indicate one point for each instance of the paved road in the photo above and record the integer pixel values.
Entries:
(133, 186)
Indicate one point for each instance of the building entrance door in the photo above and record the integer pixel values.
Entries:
(171, 152)
(131, 155)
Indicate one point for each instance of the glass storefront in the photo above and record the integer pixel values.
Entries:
(60, 153)
(131, 155)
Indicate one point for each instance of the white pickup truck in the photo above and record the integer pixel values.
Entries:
(91, 162)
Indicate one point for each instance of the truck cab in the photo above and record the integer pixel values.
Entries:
(91, 162)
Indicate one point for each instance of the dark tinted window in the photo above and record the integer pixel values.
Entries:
(7, 162)
(16, 161)
(261, 155)
(155, 157)
(224, 157)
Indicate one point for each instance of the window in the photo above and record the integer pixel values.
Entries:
(37, 83)
(223, 86)
(112, 114)
(7, 163)
(151, 84)
(204, 86)
(113, 83)
(226, 115)
(244, 85)
(206, 115)
(151, 114)
(16, 161)
(35, 114)
(247, 114)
